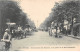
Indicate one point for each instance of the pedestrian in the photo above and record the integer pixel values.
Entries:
(50, 32)
(53, 31)
(7, 39)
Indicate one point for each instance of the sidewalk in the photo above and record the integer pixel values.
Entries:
(76, 37)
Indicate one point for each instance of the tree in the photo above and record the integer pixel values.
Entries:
(31, 23)
(11, 12)
(23, 19)
(67, 10)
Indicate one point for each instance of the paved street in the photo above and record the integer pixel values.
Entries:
(41, 38)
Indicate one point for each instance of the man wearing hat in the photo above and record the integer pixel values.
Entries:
(7, 39)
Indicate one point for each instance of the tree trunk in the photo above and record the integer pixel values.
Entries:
(28, 29)
(56, 31)
(60, 29)
(72, 27)
(79, 30)
(0, 24)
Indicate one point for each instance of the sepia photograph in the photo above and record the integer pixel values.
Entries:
(39, 25)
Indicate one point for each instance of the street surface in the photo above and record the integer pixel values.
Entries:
(42, 38)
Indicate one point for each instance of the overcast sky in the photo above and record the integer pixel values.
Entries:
(37, 10)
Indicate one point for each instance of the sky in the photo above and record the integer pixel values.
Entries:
(37, 10)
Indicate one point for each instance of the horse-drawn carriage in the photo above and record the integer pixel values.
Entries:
(28, 30)
(16, 31)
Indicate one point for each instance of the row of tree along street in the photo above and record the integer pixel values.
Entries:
(66, 16)
(11, 12)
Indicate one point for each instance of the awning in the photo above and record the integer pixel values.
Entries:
(11, 24)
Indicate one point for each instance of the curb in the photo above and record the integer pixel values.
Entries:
(72, 36)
